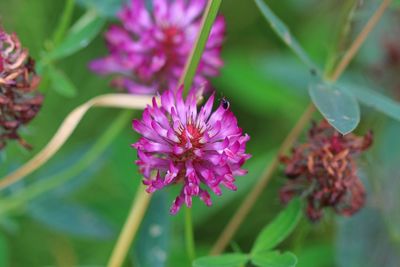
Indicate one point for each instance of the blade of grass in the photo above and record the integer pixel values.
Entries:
(284, 33)
(194, 59)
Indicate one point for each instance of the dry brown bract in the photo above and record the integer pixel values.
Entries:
(19, 99)
(324, 171)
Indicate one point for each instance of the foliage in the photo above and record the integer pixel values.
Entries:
(69, 213)
(261, 253)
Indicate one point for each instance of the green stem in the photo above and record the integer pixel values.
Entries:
(58, 36)
(193, 61)
(22, 197)
(190, 246)
(64, 22)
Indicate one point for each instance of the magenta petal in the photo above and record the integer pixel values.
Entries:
(200, 151)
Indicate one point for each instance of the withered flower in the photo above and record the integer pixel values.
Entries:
(19, 99)
(324, 171)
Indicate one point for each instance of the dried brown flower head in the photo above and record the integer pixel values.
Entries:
(324, 171)
(19, 99)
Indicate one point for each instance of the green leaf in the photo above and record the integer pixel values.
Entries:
(60, 82)
(105, 8)
(373, 99)
(226, 260)
(284, 33)
(79, 36)
(316, 254)
(3, 251)
(210, 14)
(70, 218)
(154, 234)
(339, 108)
(279, 228)
(274, 259)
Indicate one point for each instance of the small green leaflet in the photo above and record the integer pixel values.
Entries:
(79, 36)
(274, 259)
(60, 82)
(339, 107)
(279, 228)
(226, 260)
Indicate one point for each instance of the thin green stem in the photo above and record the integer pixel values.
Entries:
(58, 36)
(194, 59)
(189, 235)
(64, 22)
(24, 196)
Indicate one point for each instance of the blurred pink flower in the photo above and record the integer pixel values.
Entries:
(149, 50)
(181, 145)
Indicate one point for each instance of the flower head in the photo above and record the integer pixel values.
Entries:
(324, 171)
(200, 150)
(19, 101)
(149, 50)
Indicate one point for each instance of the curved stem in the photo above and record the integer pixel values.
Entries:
(248, 203)
(22, 197)
(130, 228)
(189, 235)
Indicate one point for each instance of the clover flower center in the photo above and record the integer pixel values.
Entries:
(189, 140)
(172, 35)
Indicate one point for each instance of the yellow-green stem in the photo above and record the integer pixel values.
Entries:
(252, 197)
(130, 228)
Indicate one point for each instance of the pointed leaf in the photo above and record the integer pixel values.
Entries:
(274, 259)
(226, 260)
(80, 35)
(375, 100)
(105, 8)
(60, 82)
(279, 228)
(339, 107)
(284, 33)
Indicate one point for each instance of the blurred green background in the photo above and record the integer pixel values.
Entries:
(75, 220)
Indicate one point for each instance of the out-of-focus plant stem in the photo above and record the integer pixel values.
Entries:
(253, 195)
(189, 235)
(58, 36)
(342, 38)
(193, 60)
(128, 232)
(64, 22)
(350, 53)
(132, 223)
(259, 187)
(29, 193)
